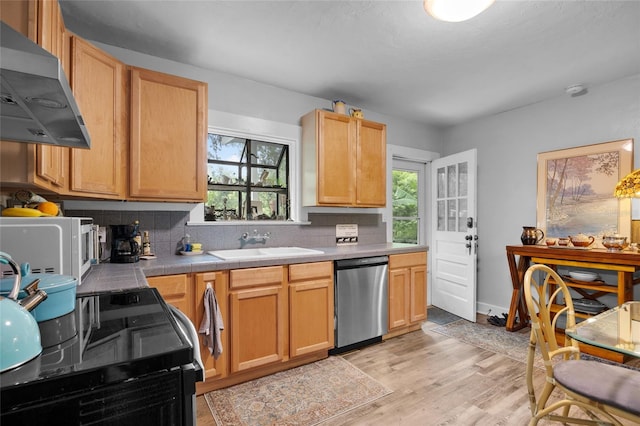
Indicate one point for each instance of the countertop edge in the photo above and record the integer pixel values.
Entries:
(113, 276)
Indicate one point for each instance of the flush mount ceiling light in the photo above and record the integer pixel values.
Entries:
(576, 90)
(455, 10)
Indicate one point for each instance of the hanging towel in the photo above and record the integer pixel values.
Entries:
(211, 323)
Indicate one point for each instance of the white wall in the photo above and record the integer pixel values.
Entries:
(508, 145)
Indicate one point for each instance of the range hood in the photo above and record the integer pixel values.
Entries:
(36, 102)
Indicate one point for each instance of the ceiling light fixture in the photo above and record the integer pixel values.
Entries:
(455, 10)
(576, 90)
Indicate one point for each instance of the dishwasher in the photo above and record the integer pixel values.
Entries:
(361, 302)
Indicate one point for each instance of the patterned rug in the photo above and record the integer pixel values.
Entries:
(306, 395)
(513, 345)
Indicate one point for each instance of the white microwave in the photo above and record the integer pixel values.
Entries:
(54, 245)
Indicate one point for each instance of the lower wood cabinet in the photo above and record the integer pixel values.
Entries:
(310, 308)
(213, 368)
(175, 290)
(407, 290)
(257, 317)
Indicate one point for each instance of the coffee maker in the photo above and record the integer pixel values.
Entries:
(124, 248)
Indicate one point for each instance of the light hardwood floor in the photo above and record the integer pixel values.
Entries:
(436, 380)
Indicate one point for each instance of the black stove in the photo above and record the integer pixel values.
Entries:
(122, 349)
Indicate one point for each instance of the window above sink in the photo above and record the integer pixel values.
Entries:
(248, 179)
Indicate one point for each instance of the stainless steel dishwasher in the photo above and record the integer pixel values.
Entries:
(361, 290)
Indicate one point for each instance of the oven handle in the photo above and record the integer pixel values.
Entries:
(191, 334)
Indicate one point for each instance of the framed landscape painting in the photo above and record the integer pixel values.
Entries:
(575, 190)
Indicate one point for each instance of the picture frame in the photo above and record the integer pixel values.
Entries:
(575, 190)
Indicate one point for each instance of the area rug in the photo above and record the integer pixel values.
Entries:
(440, 316)
(306, 395)
(495, 339)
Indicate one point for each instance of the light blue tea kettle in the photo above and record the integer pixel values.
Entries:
(19, 332)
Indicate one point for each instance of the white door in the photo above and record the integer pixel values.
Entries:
(453, 249)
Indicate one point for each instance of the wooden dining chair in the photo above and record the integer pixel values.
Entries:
(606, 393)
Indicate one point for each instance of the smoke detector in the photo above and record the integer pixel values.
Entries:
(576, 90)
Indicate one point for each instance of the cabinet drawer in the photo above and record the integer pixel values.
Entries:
(269, 275)
(307, 271)
(407, 260)
(170, 285)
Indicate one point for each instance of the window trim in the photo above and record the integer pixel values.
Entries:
(226, 123)
(403, 153)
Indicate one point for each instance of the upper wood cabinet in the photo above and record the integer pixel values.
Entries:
(98, 81)
(343, 161)
(44, 167)
(167, 138)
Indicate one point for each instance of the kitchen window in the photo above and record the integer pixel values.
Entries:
(248, 179)
(406, 200)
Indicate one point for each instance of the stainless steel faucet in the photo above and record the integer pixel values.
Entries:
(256, 237)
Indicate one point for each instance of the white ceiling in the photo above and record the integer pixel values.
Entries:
(385, 56)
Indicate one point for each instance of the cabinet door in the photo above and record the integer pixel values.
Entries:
(21, 15)
(174, 289)
(336, 159)
(213, 368)
(310, 308)
(257, 316)
(418, 310)
(98, 83)
(399, 297)
(371, 164)
(258, 327)
(168, 134)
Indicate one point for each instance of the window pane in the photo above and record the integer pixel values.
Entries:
(441, 216)
(265, 153)
(442, 183)
(224, 148)
(222, 174)
(452, 214)
(462, 179)
(451, 181)
(405, 231)
(222, 205)
(405, 193)
(462, 215)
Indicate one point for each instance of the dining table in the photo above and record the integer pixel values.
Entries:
(616, 329)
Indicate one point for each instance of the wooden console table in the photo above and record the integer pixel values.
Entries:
(624, 263)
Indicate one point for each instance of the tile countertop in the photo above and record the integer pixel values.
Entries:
(121, 276)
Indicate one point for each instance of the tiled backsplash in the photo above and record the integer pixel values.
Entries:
(166, 229)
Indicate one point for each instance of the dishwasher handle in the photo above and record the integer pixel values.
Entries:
(363, 262)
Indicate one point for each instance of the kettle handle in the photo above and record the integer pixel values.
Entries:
(7, 260)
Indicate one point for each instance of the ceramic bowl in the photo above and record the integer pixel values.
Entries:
(583, 275)
(615, 243)
(582, 240)
(551, 241)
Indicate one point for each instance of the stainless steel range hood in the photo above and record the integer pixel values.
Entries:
(36, 102)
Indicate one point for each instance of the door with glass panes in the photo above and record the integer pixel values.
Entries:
(454, 242)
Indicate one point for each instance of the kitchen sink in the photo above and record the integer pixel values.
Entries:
(263, 253)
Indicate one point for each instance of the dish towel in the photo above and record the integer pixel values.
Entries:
(211, 323)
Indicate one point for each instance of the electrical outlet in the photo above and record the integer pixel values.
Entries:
(102, 234)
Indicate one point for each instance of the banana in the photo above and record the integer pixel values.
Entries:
(22, 212)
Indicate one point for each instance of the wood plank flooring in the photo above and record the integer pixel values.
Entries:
(437, 380)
